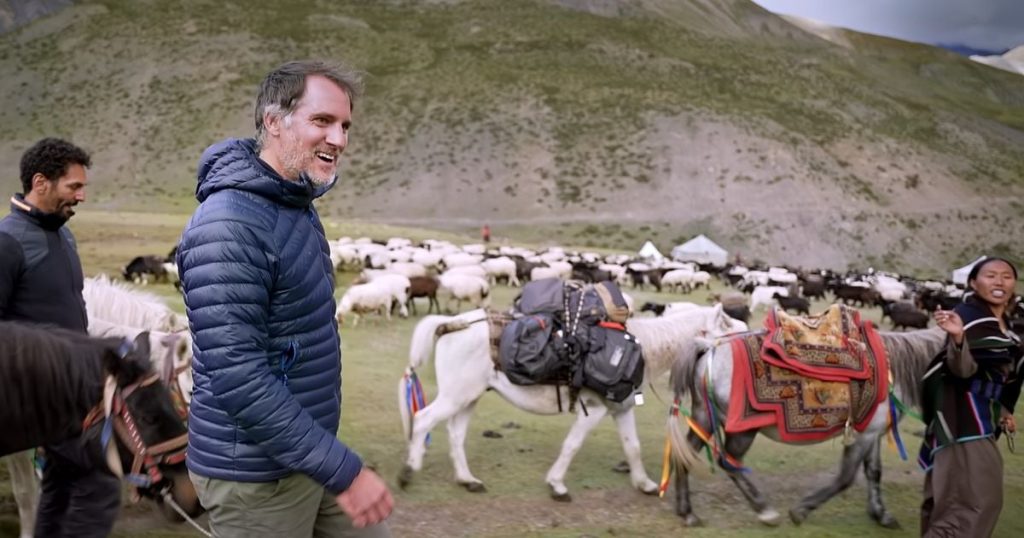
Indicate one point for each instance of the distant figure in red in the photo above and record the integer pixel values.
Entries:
(485, 233)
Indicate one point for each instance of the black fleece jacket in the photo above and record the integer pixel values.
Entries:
(40, 273)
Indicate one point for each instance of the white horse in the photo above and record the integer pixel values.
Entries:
(115, 310)
(120, 304)
(465, 371)
(909, 355)
(170, 353)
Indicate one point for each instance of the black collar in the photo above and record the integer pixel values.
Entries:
(47, 221)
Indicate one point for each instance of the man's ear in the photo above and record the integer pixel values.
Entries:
(272, 123)
(40, 183)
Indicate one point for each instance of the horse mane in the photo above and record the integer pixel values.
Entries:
(120, 304)
(909, 356)
(53, 377)
(665, 338)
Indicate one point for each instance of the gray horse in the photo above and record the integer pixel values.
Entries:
(909, 354)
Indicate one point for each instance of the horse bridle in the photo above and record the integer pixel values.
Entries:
(147, 458)
(145, 470)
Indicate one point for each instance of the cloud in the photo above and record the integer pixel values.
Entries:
(987, 24)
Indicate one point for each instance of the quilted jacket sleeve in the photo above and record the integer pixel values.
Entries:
(227, 272)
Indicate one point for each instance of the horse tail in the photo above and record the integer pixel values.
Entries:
(686, 368)
(682, 451)
(683, 379)
(425, 335)
(410, 391)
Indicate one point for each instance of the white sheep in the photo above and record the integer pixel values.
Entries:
(456, 259)
(397, 285)
(564, 269)
(469, 288)
(678, 278)
(407, 269)
(501, 267)
(427, 258)
(762, 295)
(540, 273)
(363, 299)
(474, 270)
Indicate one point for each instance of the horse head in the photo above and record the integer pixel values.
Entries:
(148, 433)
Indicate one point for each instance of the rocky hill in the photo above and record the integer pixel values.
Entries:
(601, 122)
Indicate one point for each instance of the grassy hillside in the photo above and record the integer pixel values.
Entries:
(606, 120)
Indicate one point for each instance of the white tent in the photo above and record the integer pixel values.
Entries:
(700, 249)
(960, 275)
(650, 252)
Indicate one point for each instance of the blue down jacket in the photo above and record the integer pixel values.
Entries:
(259, 293)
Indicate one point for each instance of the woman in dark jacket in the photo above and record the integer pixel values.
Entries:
(969, 395)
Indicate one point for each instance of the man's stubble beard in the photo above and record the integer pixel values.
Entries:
(297, 162)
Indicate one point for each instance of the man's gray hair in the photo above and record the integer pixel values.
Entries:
(282, 88)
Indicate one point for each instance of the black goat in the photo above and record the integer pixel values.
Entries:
(798, 304)
(908, 319)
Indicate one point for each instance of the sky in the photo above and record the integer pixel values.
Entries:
(981, 24)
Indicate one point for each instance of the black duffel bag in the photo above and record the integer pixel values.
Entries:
(614, 364)
(532, 351)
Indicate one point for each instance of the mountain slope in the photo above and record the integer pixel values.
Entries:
(607, 121)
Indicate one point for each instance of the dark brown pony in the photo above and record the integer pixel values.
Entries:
(53, 380)
(424, 286)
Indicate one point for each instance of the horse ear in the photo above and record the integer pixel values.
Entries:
(142, 343)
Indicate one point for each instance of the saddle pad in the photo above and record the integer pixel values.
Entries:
(803, 409)
(828, 346)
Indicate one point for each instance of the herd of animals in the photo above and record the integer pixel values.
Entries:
(395, 274)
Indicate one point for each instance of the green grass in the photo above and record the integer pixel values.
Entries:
(517, 504)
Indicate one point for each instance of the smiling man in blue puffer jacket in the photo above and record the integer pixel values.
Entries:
(259, 292)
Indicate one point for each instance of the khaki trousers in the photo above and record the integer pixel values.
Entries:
(292, 507)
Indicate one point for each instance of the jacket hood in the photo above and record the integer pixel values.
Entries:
(235, 164)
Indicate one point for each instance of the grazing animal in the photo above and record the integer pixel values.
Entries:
(908, 319)
(474, 290)
(762, 295)
(814, 287)
(465, 371)
(666, 309)
(734, 304)
(860, 295)
(54, 377)
(141, 268)
(373, 297)
(909, 355)
(799, 304)
(424, 286)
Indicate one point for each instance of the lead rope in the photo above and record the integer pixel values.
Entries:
(170, 500)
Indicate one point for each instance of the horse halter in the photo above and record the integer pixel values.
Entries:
(145, 470)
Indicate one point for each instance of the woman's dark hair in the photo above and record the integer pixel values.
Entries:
(985, 261)
(50, 157)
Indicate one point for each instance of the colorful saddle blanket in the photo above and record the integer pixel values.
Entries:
(808, 377)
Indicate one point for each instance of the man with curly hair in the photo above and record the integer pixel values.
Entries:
(41, 282)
